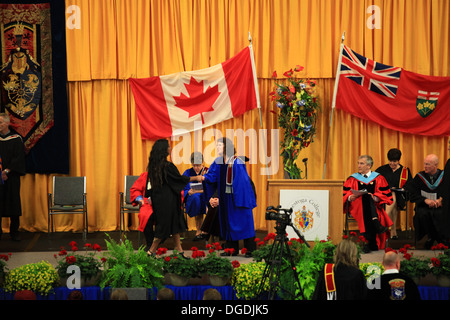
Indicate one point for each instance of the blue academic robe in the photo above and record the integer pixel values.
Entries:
(235, 208)
(195, 204)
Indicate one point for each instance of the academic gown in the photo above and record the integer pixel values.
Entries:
(428, 221)
(166, 203)
(236, 208)
(12, 156)
(378, 186)
(396, 179)
(195, 204)
(350, 284)
(139, 188)
(446, 200)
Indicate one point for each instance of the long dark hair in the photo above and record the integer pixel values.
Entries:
(157, 163)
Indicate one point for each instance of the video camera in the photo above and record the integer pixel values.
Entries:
(279, 214)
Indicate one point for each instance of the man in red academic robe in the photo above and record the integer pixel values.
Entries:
(365, 194)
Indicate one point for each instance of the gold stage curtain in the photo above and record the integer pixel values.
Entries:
(109, 41)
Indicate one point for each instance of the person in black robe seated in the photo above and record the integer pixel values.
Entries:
(342, 280)
(393, 285)
(426, 191)
(446, 201)
(396, 176)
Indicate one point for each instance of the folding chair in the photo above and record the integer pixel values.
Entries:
(126, 206)
(68, 197)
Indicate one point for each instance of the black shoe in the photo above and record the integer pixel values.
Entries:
(380, 228)
(429, 244)
(182, 255)
(198, 238)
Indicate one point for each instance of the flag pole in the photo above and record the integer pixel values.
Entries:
(255, 79)
(333, 103)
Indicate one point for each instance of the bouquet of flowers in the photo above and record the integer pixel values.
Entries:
(297, 115)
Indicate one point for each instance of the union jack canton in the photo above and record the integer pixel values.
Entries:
(372, 75)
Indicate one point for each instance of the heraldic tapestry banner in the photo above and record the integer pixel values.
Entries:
(27, 72)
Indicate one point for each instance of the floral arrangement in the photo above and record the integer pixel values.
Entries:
(441, 262)
(179, 265)
(371, 270)
(297, 115)
(415, 267)
(89, 264)
(247, 279)
(39, 277)
(3, 268)
(215, 265)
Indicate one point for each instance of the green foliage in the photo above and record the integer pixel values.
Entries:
(308, 264)
(88, 262)
(217, 265)
(38, 277)
(129, 268)
(177, 264)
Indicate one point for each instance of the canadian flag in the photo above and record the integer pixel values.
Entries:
(181, 102)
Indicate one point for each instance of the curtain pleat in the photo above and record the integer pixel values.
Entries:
(119, 39)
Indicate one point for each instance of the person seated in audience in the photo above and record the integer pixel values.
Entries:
(165, 294)
(393, 285)
(342, 280)
(212, 294)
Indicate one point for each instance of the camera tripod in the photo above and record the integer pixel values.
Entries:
(278, 253)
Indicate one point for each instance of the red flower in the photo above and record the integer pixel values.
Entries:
(235, 264)
(87, 245)
(96, 247)
(274, 75)
(63, 252)
(161, 251)
(436, 262)
(243, 250)
(288, 73)
(298, 68)
(103, 259)
(407, 256)
(73, 244)
(294, 132)
(167, 259)
(71, 259)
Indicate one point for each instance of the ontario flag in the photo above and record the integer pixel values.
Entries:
(186, 101)
(393, 97)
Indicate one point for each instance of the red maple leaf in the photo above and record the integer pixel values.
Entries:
(197, 101)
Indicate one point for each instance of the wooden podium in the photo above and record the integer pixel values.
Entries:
(335, 212)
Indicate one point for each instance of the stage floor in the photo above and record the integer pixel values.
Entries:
(38, 246)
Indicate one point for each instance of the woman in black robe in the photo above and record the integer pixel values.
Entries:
(165, 194)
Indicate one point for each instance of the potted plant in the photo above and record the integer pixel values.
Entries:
(219, 269)
(297, 115)
(441, 264)
(247, 279)
(128, 268)
(415, 267)
(88, 262)
(179, 269)
(3, 268)
(40, 277)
